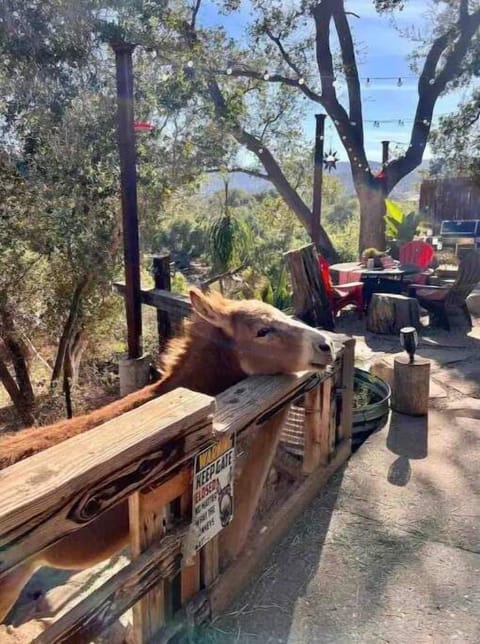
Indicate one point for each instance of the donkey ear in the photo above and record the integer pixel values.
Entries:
(205, 308)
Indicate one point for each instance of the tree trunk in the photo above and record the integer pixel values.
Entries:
(18, 352)
(372, 211)
(68, 330)
(22, 407)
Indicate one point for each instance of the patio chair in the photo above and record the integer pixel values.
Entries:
(420, 254)
(341, 296)
(447, 304)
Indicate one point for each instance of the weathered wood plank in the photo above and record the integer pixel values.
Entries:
(190, 574)
(256, 398)
(97, 611)
(172, 303)
(348, 370)
(65, 487)
(312, 428)
(209, 563)
(231, 582)
(249, 486)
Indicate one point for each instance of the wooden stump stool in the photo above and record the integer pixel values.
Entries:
(411, 386)
(389, 312)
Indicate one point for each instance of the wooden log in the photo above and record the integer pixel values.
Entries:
(161, 276)
(91, 616)
(310, 299)
(240, 573)
(248, 488)
(63, 488)
(389, 312)
(411, 386)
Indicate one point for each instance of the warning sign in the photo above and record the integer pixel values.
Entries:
(213, 489)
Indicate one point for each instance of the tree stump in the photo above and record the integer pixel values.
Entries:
(389, 312)
(411, 386)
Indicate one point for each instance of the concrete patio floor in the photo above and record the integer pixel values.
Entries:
(390, 551)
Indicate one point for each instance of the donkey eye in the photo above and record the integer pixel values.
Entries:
(261, 333)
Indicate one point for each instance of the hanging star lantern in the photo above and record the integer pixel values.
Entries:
(330, 161)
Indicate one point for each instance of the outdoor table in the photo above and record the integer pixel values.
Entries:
(376, 280)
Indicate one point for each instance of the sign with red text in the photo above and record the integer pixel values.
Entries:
(213, 489)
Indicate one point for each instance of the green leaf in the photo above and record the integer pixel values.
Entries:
(394, 211)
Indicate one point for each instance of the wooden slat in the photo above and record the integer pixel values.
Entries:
(172, 303)
(65, 487)
(248, 487)
(313, 453)
(90, 617)
(209, 563)
(190, 574)
(240, 573)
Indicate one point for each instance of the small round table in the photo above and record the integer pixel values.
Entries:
(376, 280)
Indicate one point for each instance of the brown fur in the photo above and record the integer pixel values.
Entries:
(225, 342)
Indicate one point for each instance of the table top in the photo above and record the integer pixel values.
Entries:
(356, 267)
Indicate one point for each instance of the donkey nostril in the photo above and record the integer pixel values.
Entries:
(324, 347)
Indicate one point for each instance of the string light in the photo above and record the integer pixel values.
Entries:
(266, 76)
(229, 71)
(260, 150)
(190, 63)
(431, 81)
(301, 81)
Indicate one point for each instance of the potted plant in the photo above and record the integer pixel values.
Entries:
(372, 253)
(400, 228)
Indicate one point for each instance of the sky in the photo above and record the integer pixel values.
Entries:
(384, 54)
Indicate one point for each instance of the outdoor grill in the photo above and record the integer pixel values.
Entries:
(461, 234)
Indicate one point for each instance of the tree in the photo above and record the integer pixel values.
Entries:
(303, 50)
(456, 141)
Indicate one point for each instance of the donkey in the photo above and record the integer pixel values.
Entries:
(225, 342)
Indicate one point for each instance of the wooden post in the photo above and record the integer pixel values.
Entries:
(161, 276)
(348, 372)
(248, 488)
(149, 515)
(319, 427)
(309, 296)
(190, 574)
(411, 385)
(318, 178)
(385, 153)
(126, 146)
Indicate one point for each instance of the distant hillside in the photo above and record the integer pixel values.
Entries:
(408, 188)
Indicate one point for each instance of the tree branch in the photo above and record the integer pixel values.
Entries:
(430, 86)
(272, 78)
(283, 51)
(250, 171)
(351, 71)
(195, 10)
(276, 176)
(351, 135)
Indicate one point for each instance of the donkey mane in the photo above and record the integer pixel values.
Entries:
(202, 360)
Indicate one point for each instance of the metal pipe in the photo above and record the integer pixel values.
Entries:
(126, 145)
(317, 178)
(385, 153)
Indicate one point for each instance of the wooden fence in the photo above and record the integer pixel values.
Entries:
(455, 198)
(147, 457)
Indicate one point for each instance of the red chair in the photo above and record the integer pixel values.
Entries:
(420, 254)
(340, 297)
